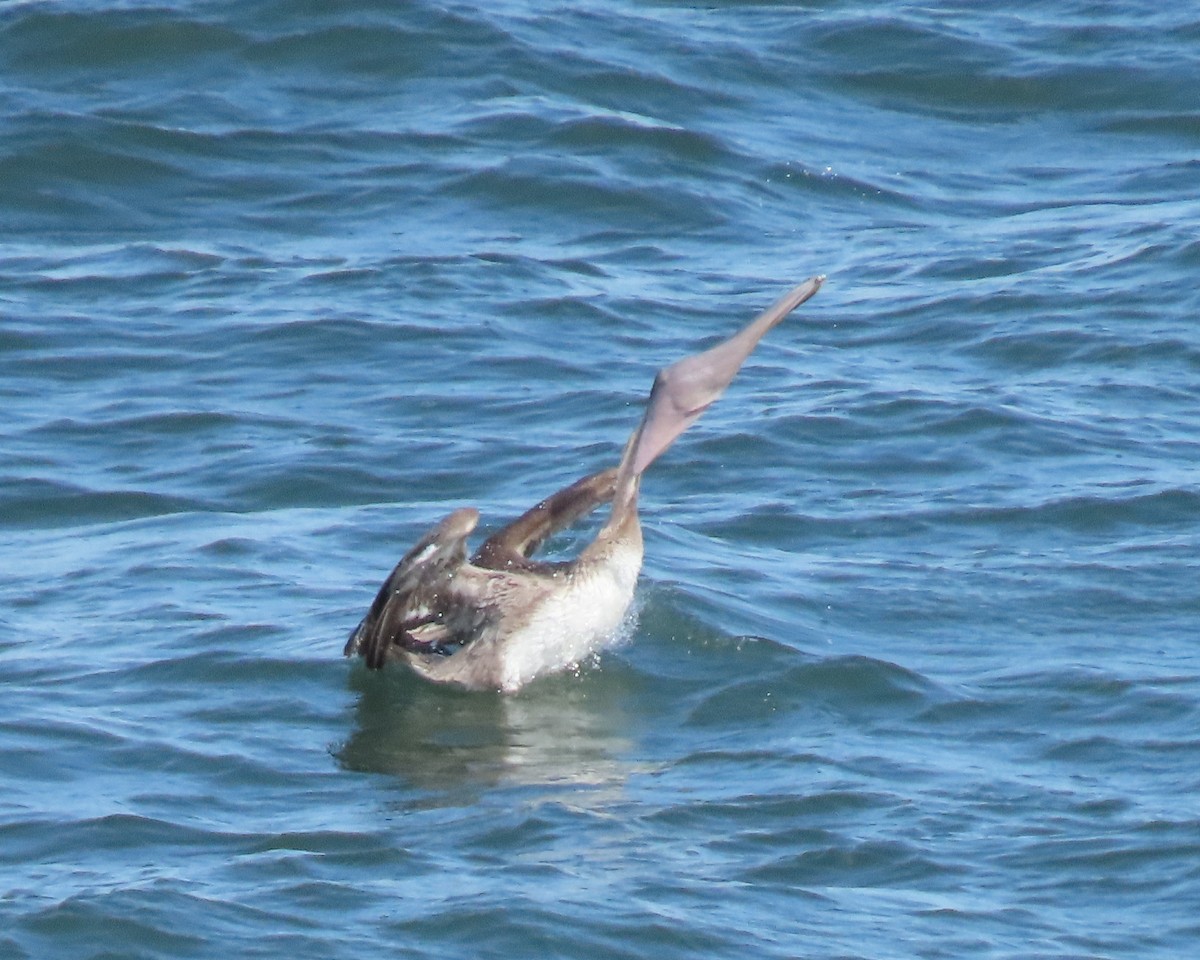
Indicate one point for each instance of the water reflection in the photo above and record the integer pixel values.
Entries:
(565, 730)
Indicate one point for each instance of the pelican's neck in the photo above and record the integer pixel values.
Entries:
(625, 491)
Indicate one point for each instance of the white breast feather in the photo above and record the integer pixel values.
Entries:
(573, 621)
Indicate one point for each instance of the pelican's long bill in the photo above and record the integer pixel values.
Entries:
(685, 389)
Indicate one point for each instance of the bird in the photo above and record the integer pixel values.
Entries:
(500, 619)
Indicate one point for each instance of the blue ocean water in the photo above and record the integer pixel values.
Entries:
(914, 672)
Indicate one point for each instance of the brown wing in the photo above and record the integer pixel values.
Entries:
(424, 604)
(511, 548)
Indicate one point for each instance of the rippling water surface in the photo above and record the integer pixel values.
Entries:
(915, 669)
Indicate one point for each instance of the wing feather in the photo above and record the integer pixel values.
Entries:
(411, 608)
(512, 547)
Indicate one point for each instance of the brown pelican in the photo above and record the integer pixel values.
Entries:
(500, 619)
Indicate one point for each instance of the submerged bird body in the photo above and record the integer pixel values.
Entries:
(501, 619)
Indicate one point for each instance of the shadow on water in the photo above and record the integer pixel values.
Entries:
(564, 729)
